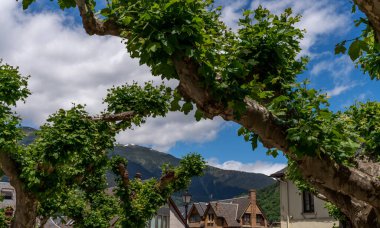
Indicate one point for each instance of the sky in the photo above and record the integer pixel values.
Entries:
(68, 66)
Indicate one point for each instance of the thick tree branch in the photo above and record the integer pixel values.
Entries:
(257, 118)
(115, 117)
(166, 179)
(93, 25)
(347, 180)
(124, 175)
(360, 213)
(372, 10)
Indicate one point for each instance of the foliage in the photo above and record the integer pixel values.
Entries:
(364, 50)
(269, 200)
(65, 167)
(258, 63)
(334, 212)
(141, 199)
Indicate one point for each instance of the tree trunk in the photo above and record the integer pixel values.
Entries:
(26, 209)
(26, 204)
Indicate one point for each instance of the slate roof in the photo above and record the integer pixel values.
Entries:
(201, 208)
(279, 174)
(232, 209)
(228, 211)
(242, 202)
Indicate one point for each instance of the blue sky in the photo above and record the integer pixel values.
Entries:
(69, 66)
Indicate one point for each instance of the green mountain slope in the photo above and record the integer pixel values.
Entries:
(269, 200)
(214, 185)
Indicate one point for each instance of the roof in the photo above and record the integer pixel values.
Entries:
(201, 208)
(279, 174)
(228, 211)
(242, 202)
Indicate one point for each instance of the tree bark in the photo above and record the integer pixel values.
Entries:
(26, 204)
(372, 10)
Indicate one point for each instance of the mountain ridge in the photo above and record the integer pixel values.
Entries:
(215, 184)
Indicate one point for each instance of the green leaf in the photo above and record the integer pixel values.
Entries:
(198, 115)
(27, 3)
(340, 48)
(354, 50)
(187, 107)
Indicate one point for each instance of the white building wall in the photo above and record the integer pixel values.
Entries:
(6, 186)
(292, 215)
(174, 220)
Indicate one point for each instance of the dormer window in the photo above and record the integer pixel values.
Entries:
(247, 219)
(195, 218)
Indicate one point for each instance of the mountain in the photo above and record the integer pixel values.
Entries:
(215, 184)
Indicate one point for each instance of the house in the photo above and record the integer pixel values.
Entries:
(301, 208)
(168, 216)
(9, 196)
(196, 213)
(236, 212)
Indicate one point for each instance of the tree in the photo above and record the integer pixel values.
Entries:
(250, 77)
(62, 173)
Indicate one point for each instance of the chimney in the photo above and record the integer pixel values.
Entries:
(252, 200)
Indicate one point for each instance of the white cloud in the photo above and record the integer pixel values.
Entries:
(162, 134)
(339, 69)
(266, 168)
(69, 66)
(319, 18)
(339, 90)
(231, 12)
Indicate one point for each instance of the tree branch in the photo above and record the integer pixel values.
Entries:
(166, 179)
(95, 26)
(257, 118)
(115, 117)
(372, 10)
(124, 175)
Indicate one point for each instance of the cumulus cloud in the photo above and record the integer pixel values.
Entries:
(266, 168)
(68, 66)
(163, 134)
(319, 18)
(339, 90)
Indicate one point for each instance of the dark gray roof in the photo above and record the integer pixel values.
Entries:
(242, 202)
(279, 174)
(228, 211)
(201, 208)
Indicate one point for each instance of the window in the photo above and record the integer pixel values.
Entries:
(7, 194)
(260, 220)
(195, 218)
(159, 221)
(164, 222)
(210, 219)
(247, 219)
(308, 202)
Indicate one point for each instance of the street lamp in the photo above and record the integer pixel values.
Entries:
(186, 198)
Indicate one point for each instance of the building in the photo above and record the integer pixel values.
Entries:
(236, 212)
(168, 216)
(9, 196)
(301, 209)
